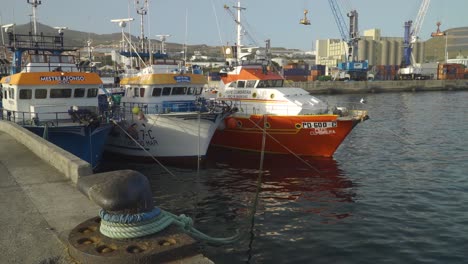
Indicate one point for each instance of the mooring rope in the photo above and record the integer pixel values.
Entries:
(124, 226)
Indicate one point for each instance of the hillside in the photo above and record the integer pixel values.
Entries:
(78, 39)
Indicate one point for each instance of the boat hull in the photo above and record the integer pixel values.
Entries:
(303, 135)
(85, 142)
(174, 135)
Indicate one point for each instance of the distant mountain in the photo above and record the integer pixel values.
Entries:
(78, 39)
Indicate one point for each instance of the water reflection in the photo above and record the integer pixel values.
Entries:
(285, 178)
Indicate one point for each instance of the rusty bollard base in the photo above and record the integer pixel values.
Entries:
(88, 245)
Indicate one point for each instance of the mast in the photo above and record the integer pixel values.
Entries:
(34, 4)
(239, 30)
(142, 11)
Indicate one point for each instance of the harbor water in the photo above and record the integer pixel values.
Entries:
(396, 191)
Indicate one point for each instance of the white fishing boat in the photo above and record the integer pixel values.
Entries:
(161, 114)
(295, 121)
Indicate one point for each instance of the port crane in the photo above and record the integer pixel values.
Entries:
(409, 69)
(351, 69)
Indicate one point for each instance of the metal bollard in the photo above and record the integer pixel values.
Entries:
(124, 191)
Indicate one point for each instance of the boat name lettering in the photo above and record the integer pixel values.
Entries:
(62, 79)
(322, 131)
(181, 79)
(238, 93)
(318, 124)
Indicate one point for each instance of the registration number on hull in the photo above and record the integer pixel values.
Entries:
(318, 124)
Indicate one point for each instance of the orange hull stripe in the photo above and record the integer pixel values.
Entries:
(52, 78)
(150, 79)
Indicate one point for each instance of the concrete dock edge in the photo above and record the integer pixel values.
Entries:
(68, 164)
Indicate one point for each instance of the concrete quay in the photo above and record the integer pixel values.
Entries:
(337, 87)
(39, 202)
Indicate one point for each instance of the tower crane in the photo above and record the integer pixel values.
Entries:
(351, 69)
(410, 70)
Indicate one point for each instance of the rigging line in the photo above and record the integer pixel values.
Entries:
(286, 148)
(259, 187)
(198, 150)
(217, 22)
(396, 135)
(136, 142)
(136, 51)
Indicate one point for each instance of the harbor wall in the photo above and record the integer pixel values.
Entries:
(70, 165)
(336, 87)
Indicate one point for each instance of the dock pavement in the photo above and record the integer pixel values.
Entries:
(39, 201)
(38, 207)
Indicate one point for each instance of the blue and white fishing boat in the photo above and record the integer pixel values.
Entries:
(48, 94)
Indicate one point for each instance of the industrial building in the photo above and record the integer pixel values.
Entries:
(374, 48)
(451, 46)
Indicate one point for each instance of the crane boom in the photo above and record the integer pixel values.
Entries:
(349, 34)
(339, 19)
(412, 31)
(420, 17)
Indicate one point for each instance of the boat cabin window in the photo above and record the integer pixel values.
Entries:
(40, 93)
(136, 92)
(11, 93)
(240, 84)
(156, 92)
(79, 92)
(25, 94)
(92, 92)
(191, 90)
(60, 93)
(166, 91)
(54, 58)
(270, 83)
(250, 84)
(233, 84)
(179, 90)
(142, 92)
(37, 58)
(67, 59)
(199, 90)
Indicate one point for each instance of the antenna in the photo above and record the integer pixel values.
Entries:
(34, 4)
(163, 39)
(122, 22)
(60, 29)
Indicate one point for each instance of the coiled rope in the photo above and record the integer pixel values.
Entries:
(123, 226)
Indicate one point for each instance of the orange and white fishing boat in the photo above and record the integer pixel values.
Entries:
(294, 121)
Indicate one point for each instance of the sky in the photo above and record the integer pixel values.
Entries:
(207, 22)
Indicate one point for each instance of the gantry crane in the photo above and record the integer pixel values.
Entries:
(410, 70)
(351, 69)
